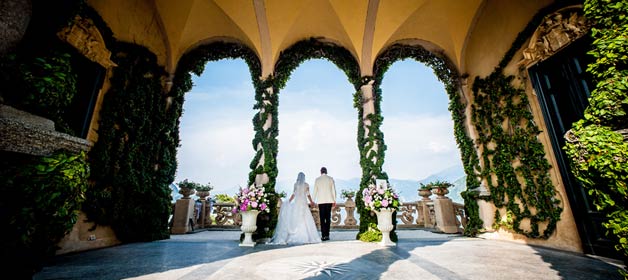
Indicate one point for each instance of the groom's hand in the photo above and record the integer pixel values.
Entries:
(333, 205)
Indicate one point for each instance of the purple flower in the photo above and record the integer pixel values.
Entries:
(381, 191)
(384, 203)
(254, 204)
(263, 206)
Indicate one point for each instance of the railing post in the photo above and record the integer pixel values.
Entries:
(350, 208)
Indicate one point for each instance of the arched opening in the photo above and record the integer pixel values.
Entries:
(418, 129)
(317, 127)
(216, 128)
(446, 73)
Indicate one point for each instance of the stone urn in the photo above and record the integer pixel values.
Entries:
(186, 192)
(440, 192)
(384, 224)
(202, 194)
(425, 193)
(249, 225)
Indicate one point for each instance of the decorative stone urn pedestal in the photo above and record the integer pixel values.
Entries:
(384, 224)
(425, 193)
(440, 192)
(249, 225)
(202, 194)
(186, 192)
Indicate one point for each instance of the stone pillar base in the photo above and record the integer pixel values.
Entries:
(183, 212)
(445, 215)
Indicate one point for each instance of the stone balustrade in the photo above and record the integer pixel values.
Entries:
(416, 214)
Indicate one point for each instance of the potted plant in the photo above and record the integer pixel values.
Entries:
(187, 188)
(249, 202)
(382, 199)
(425, 191)
(440, 188)
(202, 191)
(347, 194)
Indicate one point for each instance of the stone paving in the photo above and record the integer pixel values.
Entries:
(418, 255)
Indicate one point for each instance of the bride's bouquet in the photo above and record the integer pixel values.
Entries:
(251, 198)
(380, 196)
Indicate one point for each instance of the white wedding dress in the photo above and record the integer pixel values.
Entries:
(296, 224)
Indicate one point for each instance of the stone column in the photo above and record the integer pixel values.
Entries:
(445, 215)
(183, 212)
(486, 208)
(368, 108)
(261, 179)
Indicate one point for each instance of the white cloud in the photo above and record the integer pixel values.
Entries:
(419, 145)
(218, 151)
(312, 138)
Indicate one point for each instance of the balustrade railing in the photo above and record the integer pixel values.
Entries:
(417, 214)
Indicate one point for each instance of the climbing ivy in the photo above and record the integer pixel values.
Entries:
(513, 160)
(598, 154)
(41, 198)
(445, 72)
(135, 151)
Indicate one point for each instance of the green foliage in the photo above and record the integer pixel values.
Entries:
(598, 155)
(347, 193)
(224, 198)
(194, 185)
(371, 234)
(510, 149)
(513, 155)
(136, 149)
(436, 184)
(40, 200)
(44, 85)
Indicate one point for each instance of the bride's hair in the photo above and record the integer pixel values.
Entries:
(301, 178)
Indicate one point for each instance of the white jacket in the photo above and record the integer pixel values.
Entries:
(324, 190)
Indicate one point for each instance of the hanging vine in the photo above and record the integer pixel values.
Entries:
(598, 153)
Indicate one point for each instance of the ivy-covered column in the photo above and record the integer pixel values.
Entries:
(264, 164)
(372, 148)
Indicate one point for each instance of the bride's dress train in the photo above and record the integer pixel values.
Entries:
(296, 224)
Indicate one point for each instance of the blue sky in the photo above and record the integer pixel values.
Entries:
(317, 125)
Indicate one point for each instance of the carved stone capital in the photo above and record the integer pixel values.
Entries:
(557, 31)
(86, 38)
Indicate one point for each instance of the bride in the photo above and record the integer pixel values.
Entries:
(296, 224)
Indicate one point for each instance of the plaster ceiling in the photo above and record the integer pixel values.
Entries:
(364, 27)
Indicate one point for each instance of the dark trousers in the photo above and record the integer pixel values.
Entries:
(325, 215)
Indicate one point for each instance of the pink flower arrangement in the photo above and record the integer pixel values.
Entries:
(381, 196)
(251, 198)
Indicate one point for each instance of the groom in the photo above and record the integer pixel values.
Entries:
(325, 196)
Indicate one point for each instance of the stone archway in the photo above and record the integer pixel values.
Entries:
(446, 72)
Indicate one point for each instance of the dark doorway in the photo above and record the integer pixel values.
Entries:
(563, 88)
(89, 81)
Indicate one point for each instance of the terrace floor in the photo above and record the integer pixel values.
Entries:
(419, 254)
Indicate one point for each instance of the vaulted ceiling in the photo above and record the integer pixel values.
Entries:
(364, 27)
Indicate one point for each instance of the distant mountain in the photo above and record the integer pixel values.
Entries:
(407, 189)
